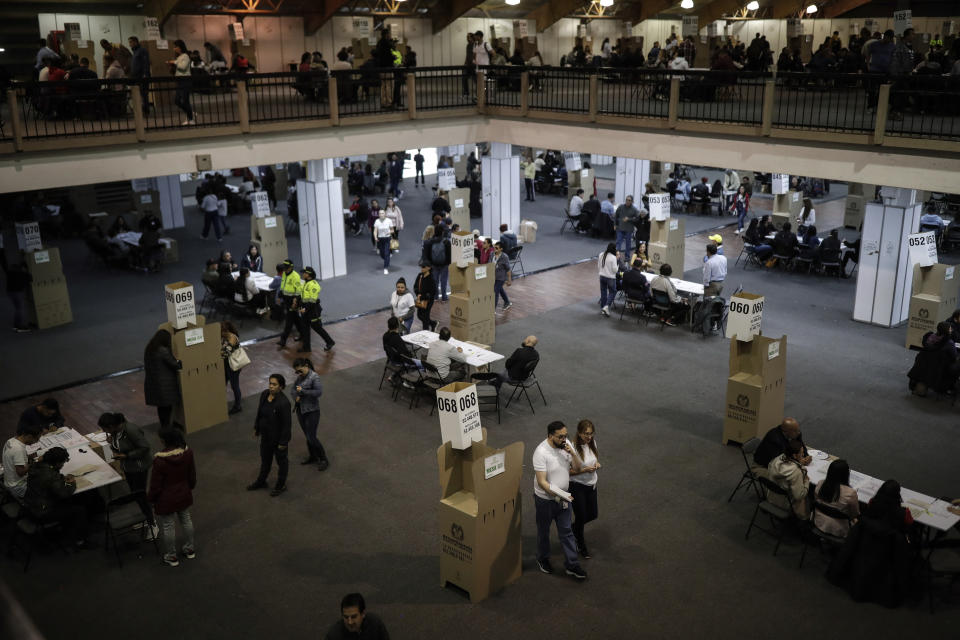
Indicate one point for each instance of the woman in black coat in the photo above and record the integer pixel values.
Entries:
(272, 425)
(161, 388)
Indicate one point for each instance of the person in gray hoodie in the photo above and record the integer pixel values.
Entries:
(307, 406)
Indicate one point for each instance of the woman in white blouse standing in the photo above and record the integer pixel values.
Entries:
(607, 266)
(396, 217)
(583, 484)
(182, 73)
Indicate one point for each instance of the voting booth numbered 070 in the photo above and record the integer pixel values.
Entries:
(744, 319)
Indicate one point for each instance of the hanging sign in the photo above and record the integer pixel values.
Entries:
(447, 179)
(779, 184)
(923, 248)
(658, 204)
(902, 20)
(691, 26)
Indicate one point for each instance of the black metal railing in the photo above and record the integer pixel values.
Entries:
(443, 88)
(825, 102)
(503, 86)
(925, 106)
(76, 107)
(721, 96)
(558, 89)
(370, 91)
(281, 97)
(634, 93)
(198, 101)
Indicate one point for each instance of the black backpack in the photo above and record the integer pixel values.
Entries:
(438, 253)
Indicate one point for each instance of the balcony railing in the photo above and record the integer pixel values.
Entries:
(918, 111)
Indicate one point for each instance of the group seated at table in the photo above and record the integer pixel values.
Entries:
(937, 365)
(663, 286)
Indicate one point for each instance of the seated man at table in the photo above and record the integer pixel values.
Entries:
(775, 442)
(441, 354)
(47, 493)
(45, 415)
(829, 249)
(395, 347)
(210, 277)
(589, 213)
(15, 460)
(635, 285)
(785, 243)
(515, 368)
(700, 195)
(787, 471)
(678, 306)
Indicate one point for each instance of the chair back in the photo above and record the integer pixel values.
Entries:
(660, 298)
(429, 368)
(748, 449)
(769, 486)
(830, 511)
(929, 227)
(529, 367)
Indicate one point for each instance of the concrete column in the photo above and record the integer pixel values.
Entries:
(500, 190)
(885, 271)
(171, 201)
(632, 175)
(320, 203)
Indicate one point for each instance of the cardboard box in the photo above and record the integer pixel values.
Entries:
(528, 231)
(479, 517)
(853, 211)
(271, 235)
(171, 251)
(459, 414)
(582, 179)
(48, 296)
(203, 401)
(459, 200)
(181, 304)
(935, 294)
(756, 388)
(474, 279)
(667, 245)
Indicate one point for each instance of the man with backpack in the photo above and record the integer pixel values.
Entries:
(440, 259)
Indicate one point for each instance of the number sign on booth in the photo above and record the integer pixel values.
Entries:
(459, 414)
(181, 309)
(690, 26)
(659, 206)
(745, 317)
(572, 161)
(261, 203)
(447, 179)
(923, 248)
(779, 184)
(902, 20)
(461, 245)
(28, 236)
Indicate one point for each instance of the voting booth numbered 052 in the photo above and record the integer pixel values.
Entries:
(479, 516)
(934, 297)
(756, 388)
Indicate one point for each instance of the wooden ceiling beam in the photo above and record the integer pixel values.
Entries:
(786, 8)
(549, 13)
(446, 11)
(320, 14)
(640, 11)
(716, 10)
(839, 7)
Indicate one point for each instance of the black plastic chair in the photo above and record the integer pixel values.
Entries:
(568, 221)
(515, 259)
(780, 517)
(487, 393)
(822, 537)
(520, 386)
(661, 304)
(749, 478)
(124, 517)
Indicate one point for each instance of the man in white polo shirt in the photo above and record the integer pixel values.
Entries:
(15, 459)
(552, 460)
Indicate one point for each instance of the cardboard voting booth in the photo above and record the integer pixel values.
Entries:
(49, 300)
(853, 211)
(581, 179)
(935, 292)
(756, 388)
(667, 244)
(462, 246)
(270, 233)
(745, 317)
(471, 303)
(146, 202)
(459, 200)
(786, 208)
(479, 517)
(203, 401)
(181, 304)
(528, 231)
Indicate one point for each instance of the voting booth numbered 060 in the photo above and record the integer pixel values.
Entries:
(744, 319)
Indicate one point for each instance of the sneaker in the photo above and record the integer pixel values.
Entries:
(277, 490)
(508, 306)
(584, 552)
(329, 346)
(605, 311)
(189, 553)
(670, 323)
(256, 485)
(21, 330)
(576, 572)
(386, 272)
(263, 311)
(154, 532)
(171, 561)
(544, 566)
(737, 232)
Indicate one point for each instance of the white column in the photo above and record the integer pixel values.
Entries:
(885, 272)
(171, 201)
(320, 203)
(501, 190)
(632, 175)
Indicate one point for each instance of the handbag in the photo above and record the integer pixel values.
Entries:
(238, 359)
(394, 244)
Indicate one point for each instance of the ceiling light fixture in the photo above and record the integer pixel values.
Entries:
(812, 8)
(753, 6)
(513, 3)
(686, 4)
(606, 3)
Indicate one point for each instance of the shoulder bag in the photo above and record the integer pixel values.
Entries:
(238, 358)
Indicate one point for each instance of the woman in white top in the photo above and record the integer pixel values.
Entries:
(402, 304)
(583, 484)
(606, 50)
(396, 216)
(607, 266)
(383, 232)
(248, 293)
(808, 215)
(835, 491)
(182, 73)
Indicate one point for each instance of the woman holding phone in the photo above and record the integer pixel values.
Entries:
(583, 483)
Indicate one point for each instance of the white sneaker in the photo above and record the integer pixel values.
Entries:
(155, 532)
(605, 311)
(171, 561)
(386, 272)
(737, 232)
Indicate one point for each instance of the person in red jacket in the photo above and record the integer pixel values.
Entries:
(171, 493)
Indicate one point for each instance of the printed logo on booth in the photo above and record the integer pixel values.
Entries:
(743, 401)
(924, 313)
(456, 532)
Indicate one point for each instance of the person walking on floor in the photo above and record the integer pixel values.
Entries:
(230, 342)
(503, 276)
(291, 288)
(307, 406)
(383, 230)
(172, 481)
(583, 483)
(130, 447)
(607, 265)
(311, 309)
(161, 388)
(425, 289)
(182, 66)
(553, 460)
(272, 426)
(418, 178)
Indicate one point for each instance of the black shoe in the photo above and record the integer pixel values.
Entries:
(323, 465)
(304, 349)
(235, 409)
(259, 484)
(545, 566)
(277, 490)
(584, 552)
(309, 460)
(577, 572)
(329, 346)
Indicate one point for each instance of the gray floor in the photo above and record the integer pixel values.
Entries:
(670, 558)
(115, 311)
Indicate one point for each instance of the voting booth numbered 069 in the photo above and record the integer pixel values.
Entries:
(756, 388)
(479, 516)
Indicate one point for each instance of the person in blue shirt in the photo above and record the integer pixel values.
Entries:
(609, 208)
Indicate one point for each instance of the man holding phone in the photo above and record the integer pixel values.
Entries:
(552, 461)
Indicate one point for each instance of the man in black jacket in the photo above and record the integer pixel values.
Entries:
(140, 70)
(425, 291)
(785, 242)
(515, 368)
(775, 442)
(635, 285)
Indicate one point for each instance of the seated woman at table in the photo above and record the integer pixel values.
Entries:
(788, 472)
(119, 226)
(130, 447)
(225, 283)
(246, 292)
(810, 239)
(47, 494)
(678, 306)
(835, 491)
(252, 259)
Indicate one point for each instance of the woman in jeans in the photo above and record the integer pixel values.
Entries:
(607, 266)
(229, 342)
(182, 73)
(172, 482)
(583, 484)
(739, 206)
(307, 407)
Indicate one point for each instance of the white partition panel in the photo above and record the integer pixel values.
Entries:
(321, 227)
(501, 194)
(632, 175)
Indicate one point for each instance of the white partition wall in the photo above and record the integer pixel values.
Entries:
(501, 190)
(632, 175)
(171, 201)
(320, 203)
(884, 274)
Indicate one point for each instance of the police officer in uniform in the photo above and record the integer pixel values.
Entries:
(291, 289)
(311, 309)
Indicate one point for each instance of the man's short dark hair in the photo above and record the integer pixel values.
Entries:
(666, 270)
(445, 333)
(711, 248)
(84, 62)
(29, 430)
(638, 263)
(610, 195)
(43, 42)
(392, 323)
(51, 404)
(786, 226)
(56, 456)
(353, 600)
(793, 447)
(555, 426)
(498, 244)
(478, 33)
(135, 39)
(579, 191)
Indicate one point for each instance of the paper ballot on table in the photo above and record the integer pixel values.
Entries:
(560, 492)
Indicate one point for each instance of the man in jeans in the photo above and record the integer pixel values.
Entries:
(552, 461)
(469, 68)
(210, 206)
(503, 276)
(626, 217)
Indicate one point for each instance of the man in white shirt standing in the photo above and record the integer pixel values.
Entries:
(552, 461)
(211, 214)
(481, 50)
(15, 460)
(714, 272)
